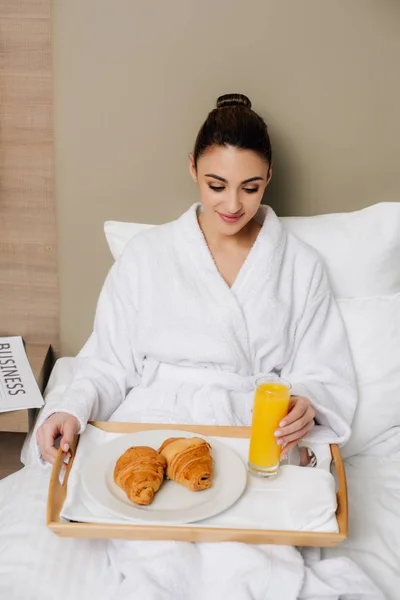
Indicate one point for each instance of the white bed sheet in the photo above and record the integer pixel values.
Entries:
(374, 540)
(374, 520)
(52, 567)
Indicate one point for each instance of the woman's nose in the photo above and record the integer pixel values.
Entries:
(233, 204)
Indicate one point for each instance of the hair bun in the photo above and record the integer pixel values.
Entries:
(233, 100)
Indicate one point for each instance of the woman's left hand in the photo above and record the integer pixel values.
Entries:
(296, 425)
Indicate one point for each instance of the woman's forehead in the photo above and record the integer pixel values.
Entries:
(232, 163)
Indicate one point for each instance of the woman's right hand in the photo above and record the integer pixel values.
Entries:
(60, 423)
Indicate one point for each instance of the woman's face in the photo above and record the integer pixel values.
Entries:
(231, 183)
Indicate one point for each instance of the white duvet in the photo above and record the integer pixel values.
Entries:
(37, 565)
(374, 518)
(34, 563)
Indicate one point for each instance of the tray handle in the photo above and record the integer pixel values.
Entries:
(58, 489)
(342, 512)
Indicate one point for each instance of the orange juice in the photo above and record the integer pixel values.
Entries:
(271, 405)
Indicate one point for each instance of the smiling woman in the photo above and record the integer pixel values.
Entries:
(232, 164)
(231, 185)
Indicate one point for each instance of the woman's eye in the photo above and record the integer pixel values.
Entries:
(251, 190)
(216, 188)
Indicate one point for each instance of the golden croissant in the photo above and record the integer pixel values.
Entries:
(189, 462)
(140, 473)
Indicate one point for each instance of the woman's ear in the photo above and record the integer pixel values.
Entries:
(192, 168)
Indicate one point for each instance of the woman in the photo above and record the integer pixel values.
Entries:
(196, 308)
(189, 315)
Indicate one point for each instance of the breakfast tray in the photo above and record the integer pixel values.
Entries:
(188, 533)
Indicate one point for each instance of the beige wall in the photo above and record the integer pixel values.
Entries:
(28, 257)
(134, 80)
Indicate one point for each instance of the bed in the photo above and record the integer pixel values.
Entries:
(374, 510)
(361, 251)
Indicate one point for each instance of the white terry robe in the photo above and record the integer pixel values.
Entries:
(173, 343)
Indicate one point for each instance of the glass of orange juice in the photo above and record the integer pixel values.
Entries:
(271, 405)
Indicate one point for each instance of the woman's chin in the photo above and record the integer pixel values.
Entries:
(227, 227)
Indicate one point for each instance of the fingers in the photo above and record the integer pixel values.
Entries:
(306, 419)
(69, 429)
(299, 416)
(297, 409)
(296, 425)
(46, 436)
(296, 436)
(59, 423)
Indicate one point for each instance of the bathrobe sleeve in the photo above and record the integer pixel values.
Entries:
(104, 370)
(320, 367)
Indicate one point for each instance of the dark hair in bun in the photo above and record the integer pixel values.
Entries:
(233, 100)
(234, 123)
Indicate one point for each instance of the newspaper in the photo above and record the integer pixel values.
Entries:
(18, 387)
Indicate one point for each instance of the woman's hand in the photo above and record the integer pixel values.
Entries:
(296, 425)
(60, 423)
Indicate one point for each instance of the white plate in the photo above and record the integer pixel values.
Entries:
(173, 503)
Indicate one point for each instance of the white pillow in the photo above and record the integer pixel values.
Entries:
(361, 249)
(118, 234)
(373, 329)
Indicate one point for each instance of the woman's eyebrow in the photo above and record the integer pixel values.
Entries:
(225, 181)
(216, 177)
(253, 179)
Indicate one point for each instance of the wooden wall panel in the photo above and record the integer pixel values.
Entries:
(29, 303)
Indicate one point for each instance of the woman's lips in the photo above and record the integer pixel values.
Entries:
(230, 218)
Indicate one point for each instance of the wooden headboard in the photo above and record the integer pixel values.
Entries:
(29, 304)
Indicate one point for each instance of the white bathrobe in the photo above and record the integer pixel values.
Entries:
(173, 343)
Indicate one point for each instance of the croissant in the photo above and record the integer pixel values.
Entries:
(189, 462)
(140, 473)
